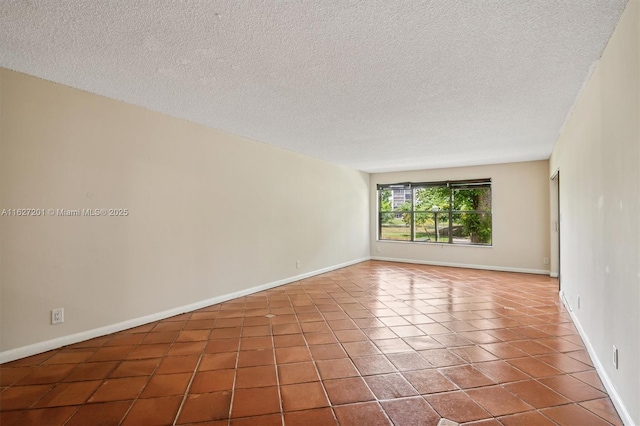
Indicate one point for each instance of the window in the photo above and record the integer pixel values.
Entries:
(453, 212)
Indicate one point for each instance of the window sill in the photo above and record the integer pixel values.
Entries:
(433, 243)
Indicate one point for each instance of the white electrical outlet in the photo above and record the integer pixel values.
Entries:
(378, 249)
(57, 316)
(546, 260)
(615, 357)
(297, 264)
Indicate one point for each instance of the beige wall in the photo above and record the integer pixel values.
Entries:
(520, 205)
(209, 213)
(598, 155)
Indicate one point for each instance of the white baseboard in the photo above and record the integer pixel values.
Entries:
(48, 345)
(604, 377)
(464, 265)
(553, 274)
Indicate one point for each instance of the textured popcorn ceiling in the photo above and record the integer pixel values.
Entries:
(374, 85)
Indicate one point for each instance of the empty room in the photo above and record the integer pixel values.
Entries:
(320, 213)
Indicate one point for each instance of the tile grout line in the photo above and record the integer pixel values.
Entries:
(186, 392)
(193, 375)
(313, 360)
(235, 372)
(275, 361)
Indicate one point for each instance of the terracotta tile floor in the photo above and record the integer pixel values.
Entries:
(373, 344)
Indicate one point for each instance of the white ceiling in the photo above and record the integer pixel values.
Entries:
(374, 85)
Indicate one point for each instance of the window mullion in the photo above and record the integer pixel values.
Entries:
(380, 214)
(413, 215)
(450, 215)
